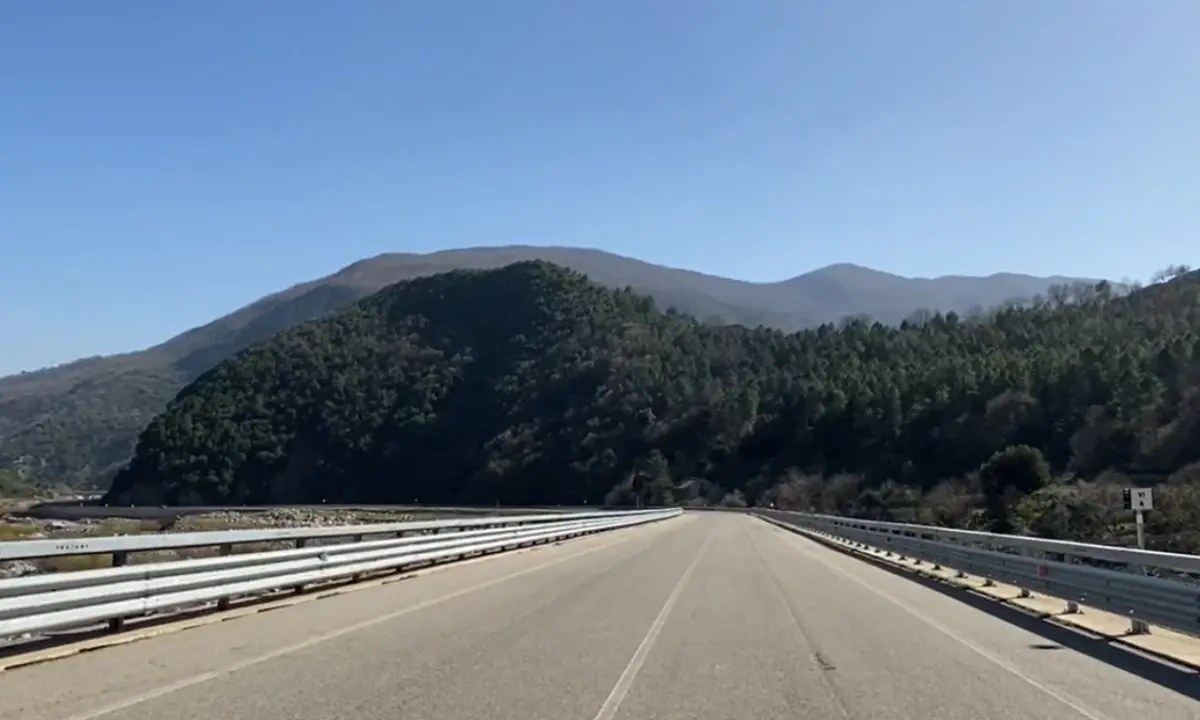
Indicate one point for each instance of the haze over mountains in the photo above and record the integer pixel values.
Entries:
(77, 422)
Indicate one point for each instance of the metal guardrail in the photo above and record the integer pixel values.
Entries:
(1146, 586)
(123, 544)
(53, 601)
(76, 510)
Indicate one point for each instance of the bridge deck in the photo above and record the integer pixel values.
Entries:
(709, 616)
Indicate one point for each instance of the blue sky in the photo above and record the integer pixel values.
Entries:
(162, 163)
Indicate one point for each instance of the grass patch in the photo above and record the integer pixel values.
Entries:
(73, 563)
(117, 526)
(16, 531)
(207, 524)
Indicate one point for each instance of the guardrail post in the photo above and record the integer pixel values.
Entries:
(223, 603)
(297, 589)
(359, 576)
(300, 543)
(1040, 558)
(119, 559)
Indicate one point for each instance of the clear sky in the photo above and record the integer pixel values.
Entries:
(163, 163)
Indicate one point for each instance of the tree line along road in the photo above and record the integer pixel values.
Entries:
(708, 616)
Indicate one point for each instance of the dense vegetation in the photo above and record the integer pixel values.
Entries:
(12, 485)
(531, 385)
(77, 423)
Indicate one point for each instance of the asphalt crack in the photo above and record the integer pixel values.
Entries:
(822, 662)
(825, 667)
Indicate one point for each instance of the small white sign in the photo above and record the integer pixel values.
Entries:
(1141, 499)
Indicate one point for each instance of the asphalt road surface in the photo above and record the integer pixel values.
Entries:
(705, 617)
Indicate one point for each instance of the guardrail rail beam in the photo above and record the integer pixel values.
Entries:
(1147, 586)
(51, 601)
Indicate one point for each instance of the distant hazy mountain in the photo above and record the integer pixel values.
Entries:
(77, 422)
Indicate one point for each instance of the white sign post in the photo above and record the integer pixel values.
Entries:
(1139, 500)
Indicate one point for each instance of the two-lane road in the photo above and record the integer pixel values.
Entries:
(709, 616)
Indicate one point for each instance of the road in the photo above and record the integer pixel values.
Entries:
(710, 616)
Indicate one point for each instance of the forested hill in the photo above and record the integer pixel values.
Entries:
(78, 423)
(530, 385)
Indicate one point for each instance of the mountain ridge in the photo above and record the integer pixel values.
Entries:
(77, 422)
(532, 385)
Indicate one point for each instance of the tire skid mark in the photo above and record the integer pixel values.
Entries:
(826, 668)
